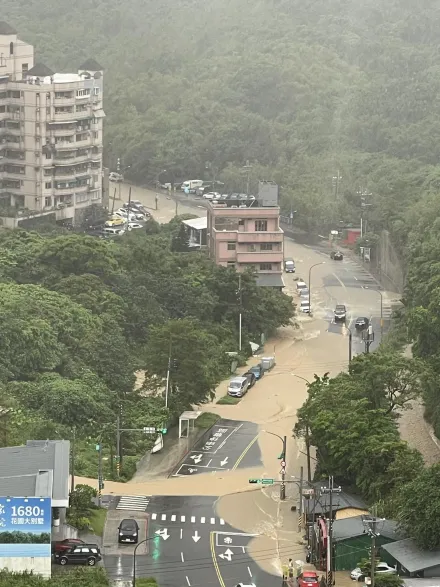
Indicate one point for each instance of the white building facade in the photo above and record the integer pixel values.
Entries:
(51, 136)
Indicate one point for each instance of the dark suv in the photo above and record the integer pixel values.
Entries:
(81, 554)
(128, 531)
(340, 313)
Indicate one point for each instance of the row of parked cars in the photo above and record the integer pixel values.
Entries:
(238, 386)
(129, 216)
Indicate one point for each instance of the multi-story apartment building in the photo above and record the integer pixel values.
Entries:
(248, 235)
(50, 136)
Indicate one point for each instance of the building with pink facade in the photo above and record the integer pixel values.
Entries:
(248, 236)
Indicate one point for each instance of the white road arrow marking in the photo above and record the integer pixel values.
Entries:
(227, 555)
(163, 533)
(225, 460)
(196, 458)
(196, 536)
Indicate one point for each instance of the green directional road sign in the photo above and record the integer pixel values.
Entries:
(262, 481)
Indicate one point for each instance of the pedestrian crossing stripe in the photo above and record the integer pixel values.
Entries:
(182, 519)
(133, 502)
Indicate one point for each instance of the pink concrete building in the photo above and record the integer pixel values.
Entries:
(248, 237)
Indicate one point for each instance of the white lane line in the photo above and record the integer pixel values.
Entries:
(250, 574)
(212, 520)
(209, 462)
(202, 520)
(187, 580)
(182, 518)
(164, 516)
(181, 533)
(222, 522)
(193, 519)
(181, 556)
(153, 516)
(173, 518)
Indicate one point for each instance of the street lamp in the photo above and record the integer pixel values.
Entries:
(283, 464)
(134, 558)
(381, 309)
(310, 282)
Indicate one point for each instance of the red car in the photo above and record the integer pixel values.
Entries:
(65, 544)
(308, 579)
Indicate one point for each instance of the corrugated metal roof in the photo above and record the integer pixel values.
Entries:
(352, 527)
(36, 456)
(410, 556)
(197, 223)
(268, 280)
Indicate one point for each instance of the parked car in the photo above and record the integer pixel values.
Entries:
(308, 579)
(305, 306)
(115, 221)
(336, 255)
(304, 292)
(113, 176)
(340, 313)
(257, 370)
(251, 378)
(66, 544)
(300, 285)
(238, 386)
(81, 554)
(134, 214)
(268, 363)
(362, 323)
(128, 531)
(211, 196)
(134, 225)
(380, 568)
(289, 265)
(115, 230)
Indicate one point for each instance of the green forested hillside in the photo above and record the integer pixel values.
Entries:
(300, 89)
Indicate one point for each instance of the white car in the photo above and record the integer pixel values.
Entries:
(381, 568)
(113, 176)
(134, 225)
(134, 214)
(245, 585)
(211, 196)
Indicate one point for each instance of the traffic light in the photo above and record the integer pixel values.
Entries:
(174, 363)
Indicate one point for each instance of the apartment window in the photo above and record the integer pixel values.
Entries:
(251, 248)
(266, 247)
(96, 195)
(47, 202)
(48, 111)
(48, 155)
(2, 108)
(231, 246)
(241, 223)
(48, 185)
(260, 225)
(47, 172)
(2, 60)
(265, 266)
(24, 67)
(95, 135)
(81, 198)
(82, 93)
(96, 91)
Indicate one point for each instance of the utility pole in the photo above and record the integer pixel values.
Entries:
(240, 304)
(309, 465)
(118, 168)
(113, 201)
(283, 471)
(331, 489)
(336, 180)
(177, 208)
(371, 526)
(368, 338)
(167, 387)
(100, 479)
(118, 445)
(350, 344)
(72, 464)
(301, 483)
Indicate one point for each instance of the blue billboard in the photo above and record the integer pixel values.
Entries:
(25, 526)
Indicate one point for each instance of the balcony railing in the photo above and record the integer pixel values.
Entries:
(269, 236)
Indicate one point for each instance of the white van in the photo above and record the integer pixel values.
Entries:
(301, 285)
(305, 306)
(192, 184)
(238, 386)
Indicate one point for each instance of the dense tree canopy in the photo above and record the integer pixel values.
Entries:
(80, 315)
(297, 89)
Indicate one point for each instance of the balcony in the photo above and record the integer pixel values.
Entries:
(260, 257)
(60, 116)
(67, 101)
(84, 143)
(80, 115)
(269, 236)
(65, 174)
(64, 145)
(61, 132)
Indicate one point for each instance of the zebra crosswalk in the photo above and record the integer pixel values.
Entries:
(191, 519)
(133, 502)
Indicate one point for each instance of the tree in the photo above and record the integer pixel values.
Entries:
(417, 508)
(389, 380)
(180, 241)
